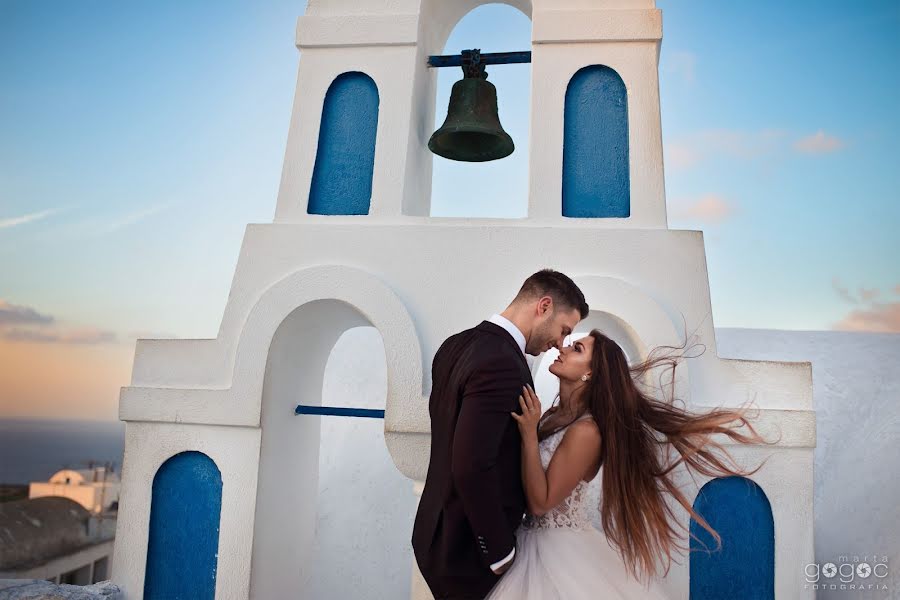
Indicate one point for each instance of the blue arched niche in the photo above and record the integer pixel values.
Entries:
(595, 180)
(345, 156)
(744, 567)
(184, 529)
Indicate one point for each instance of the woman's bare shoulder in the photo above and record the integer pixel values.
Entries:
(585, 428)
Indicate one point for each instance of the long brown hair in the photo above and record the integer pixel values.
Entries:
(634, 428)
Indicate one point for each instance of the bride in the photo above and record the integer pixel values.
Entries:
(604, 425)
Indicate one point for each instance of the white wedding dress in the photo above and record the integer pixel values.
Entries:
(562, 556)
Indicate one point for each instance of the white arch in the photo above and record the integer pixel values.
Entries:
(635, 320)
(240, 402)
(442, 17)
(367, 295)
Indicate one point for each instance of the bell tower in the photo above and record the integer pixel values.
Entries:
(595, 121)
(223, 435)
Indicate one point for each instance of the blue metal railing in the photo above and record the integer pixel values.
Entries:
(334, 411)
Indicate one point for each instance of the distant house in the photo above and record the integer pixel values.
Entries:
(55, 539)
(95, 488)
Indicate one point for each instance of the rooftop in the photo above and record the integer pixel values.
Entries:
(34, 531)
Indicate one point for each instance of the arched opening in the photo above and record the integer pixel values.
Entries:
(183, 546)
(496, 188)
(345, 155)
(328, 489)
(547, 384)
(738, 509)
(596, 180)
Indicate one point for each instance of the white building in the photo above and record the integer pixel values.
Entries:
(219, 474)
(95, 488)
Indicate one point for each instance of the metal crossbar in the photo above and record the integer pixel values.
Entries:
(491, 58)
(334, 411)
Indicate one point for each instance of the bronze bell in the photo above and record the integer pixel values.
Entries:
(472, 131)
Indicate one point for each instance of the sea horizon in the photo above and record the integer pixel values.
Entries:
(34, 448)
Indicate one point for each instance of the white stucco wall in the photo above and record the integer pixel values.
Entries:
(365, 505)
(856, 393)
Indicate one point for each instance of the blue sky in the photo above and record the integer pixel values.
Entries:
(138, 139)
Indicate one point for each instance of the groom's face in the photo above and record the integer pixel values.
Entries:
(551, 332)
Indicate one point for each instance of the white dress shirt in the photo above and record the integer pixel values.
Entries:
(511, 328)
(520, 340)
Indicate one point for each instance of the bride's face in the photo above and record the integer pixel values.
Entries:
(574, 360)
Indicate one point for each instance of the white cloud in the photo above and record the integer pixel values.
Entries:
(869, 315)
(100, 225)
(868, 294)
(15, 314)
(25, 324)
(843, 291)
(29, 218)
(687, 151)
(88, 335)
(711, 208)
(132, 218)
(818, 143)
(879, 317)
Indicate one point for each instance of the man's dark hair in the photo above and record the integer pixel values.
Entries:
(558, 286)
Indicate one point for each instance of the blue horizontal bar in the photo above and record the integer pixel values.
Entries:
(334, 411)
(491, 58)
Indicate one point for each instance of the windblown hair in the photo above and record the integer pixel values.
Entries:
(559, 286)
(635, 428)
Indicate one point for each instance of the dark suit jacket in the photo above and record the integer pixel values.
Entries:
(473, 499)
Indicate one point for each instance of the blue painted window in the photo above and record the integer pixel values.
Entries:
(345, 156)
(595, 180)
(744, 567)
(184, 529)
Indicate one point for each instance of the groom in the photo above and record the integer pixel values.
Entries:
(463, 536)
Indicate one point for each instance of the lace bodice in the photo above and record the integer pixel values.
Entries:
(571, 512)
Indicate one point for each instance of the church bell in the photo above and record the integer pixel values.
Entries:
(472, 131)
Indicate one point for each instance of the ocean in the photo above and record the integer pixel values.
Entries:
(34, 449)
